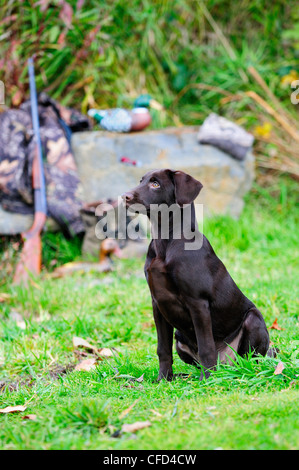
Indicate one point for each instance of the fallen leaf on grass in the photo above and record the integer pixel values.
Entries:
(13, 409)
(279, 368)
(275, 326)
(86, 364)
(101, 352)
(30, 417)
(80, 342)
(134, 427)
(105, 352)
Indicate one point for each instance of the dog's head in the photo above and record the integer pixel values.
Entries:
(163, 187)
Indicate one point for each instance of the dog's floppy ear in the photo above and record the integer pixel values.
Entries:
(186, 188)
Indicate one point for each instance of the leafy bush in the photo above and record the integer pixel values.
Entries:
(192, 57)
(107, 52)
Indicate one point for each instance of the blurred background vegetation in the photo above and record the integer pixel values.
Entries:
(237, 59)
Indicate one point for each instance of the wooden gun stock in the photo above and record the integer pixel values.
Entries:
(31, 256)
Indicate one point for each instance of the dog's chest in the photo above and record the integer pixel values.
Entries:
(167, 296)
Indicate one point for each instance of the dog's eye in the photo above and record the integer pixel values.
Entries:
(155, 184)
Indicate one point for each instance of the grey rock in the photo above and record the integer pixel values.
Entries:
(226, 135)
(225, 180)
(12, 224)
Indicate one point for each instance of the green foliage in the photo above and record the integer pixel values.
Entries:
(86, 414)
(105, 53)
(57, 250)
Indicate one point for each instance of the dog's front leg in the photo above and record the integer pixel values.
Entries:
(201, 318)
(165, 341)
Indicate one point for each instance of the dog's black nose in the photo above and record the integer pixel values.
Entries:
(127, 197)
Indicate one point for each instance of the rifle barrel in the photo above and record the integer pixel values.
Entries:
(40, 200)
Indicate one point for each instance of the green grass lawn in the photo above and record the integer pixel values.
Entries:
(241, 406)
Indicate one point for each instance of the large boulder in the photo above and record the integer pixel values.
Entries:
(225, 180)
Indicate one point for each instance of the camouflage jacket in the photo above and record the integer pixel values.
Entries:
(64, 190)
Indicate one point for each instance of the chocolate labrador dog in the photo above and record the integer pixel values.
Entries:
(190, 287)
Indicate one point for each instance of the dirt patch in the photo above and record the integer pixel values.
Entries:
(58, 369)
(14, 386)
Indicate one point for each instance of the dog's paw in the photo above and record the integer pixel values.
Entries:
(165, 376)
(205, 374)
